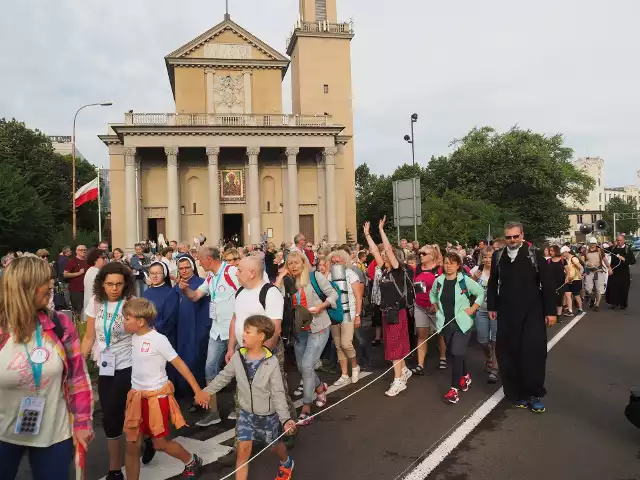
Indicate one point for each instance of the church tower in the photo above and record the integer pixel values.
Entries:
(320, 51)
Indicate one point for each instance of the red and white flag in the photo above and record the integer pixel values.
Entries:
(87, 192)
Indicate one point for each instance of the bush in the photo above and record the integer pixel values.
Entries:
(64, 237)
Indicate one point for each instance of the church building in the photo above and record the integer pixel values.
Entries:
(229, 160)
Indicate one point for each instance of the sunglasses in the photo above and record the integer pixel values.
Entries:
(512, 237)
(424, 254)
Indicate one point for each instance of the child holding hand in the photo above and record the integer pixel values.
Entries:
(261, 395)
(151, 401)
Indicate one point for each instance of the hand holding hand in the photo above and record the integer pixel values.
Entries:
(202, 398)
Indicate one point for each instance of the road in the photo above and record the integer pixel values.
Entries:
(583, 434)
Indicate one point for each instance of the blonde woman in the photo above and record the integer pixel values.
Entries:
(311, 340)
(39, 357)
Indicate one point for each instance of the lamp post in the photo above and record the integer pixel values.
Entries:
(410, 139)
(73, 163)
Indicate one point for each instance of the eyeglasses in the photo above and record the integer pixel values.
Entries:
(155, 274)
(424, 254)
(233, 259)
(512, 237)
(113, 285)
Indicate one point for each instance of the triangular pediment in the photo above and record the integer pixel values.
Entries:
(228, 40)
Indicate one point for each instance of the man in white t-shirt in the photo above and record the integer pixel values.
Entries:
(221, 285)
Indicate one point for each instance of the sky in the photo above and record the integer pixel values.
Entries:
(568, 66)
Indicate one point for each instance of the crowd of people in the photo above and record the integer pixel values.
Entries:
(183, 322)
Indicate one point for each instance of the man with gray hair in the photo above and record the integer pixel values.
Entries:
(521, 296)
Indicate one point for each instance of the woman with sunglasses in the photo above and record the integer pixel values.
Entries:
(111, 346)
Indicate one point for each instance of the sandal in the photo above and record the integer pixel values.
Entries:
(443, 364)
(299, 391)
(321, 399)
(419, 370)
(304, 419)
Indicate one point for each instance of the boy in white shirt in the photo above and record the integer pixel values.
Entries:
(150, 402)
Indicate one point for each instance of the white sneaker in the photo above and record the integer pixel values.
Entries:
(355, 374)
(342, 381)
(318, 365)
(406, 374)
(396, 387)
(232, 415)
(299, 391)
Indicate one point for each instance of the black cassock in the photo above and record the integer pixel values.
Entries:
(522, 296)
(618, 284)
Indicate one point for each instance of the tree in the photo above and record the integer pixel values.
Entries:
(30, 156)
(618, 205)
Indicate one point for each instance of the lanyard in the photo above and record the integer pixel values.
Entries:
(36, 368)
(214, 288)
(107, 332)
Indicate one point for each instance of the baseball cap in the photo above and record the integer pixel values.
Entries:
(593, 241)
(565, 249)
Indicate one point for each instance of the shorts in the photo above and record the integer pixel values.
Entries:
(262, 428)
(145, 429)
(486, 329)
(113, 393)
(575, 288)
(424, 319)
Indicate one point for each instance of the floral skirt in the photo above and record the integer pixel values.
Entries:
(396, 337)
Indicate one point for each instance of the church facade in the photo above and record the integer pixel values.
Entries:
(229, 160)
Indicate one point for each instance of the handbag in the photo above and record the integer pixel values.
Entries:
(393, 316)
(302, 317)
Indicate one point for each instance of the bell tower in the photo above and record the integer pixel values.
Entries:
(320, 51)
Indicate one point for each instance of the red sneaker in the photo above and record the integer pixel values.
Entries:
(452, 396)
(465, 382)
(284, 473)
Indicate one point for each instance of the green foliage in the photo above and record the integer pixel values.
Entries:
(62, 237)
(618, 205)
(37, 172)
(490, 178)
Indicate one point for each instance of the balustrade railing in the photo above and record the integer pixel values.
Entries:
(227, 120)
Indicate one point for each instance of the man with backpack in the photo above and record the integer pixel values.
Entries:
(521, 295)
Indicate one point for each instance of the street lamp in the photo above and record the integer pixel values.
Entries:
(73, 163)
(410, 139)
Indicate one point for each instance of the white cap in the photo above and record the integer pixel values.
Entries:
(593, 241)
(565, 249)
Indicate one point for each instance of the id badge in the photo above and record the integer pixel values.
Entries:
(30, 416)
(212, 310)
(107, 364)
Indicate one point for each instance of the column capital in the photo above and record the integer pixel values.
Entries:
(129, 151)
(292, 151)
(171, 151)
(213, 151)
(253, 151)
(330, 151)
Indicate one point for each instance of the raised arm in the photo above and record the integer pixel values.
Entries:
(373, 248)
(391, 255)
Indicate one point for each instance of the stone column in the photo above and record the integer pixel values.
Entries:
(214, 196)
(139, 211)
(322, 196)
(292, 198)
(130, 197)
(329, 154)
(173, 195)
(253, 195)
(286, 232)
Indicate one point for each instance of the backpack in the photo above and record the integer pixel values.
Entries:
(335, 314)
(533, 257)
(262, 296)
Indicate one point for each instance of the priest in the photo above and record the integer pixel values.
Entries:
(619, 281)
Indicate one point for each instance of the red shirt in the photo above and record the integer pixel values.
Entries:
(74, 265)
(371, 270)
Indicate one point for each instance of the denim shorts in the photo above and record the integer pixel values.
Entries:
(486, 329)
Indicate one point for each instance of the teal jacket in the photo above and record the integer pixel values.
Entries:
(465, 322)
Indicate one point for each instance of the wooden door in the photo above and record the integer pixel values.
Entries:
(306, 227)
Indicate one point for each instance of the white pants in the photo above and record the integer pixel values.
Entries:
(596, 278)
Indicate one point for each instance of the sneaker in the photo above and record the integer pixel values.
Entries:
(192, 470)
(209, 419)
(299, 391)
(536, 405)
(492, 378)
(580, 312)
(148, 452)
(115, 475)
(233, 415)
(284, 473)
(569, 314)
(452, 396)
(397, 386)
(521, 404)
(342, 381)
(465, 382)
(355, 374)
(406, 374)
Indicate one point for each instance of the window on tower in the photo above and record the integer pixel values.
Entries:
(326, 89)
(321, 10)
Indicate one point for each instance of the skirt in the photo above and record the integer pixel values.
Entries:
(396, 337)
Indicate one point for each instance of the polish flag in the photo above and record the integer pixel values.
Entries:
(87, 192)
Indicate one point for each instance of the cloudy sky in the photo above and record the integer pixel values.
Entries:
(568, 66)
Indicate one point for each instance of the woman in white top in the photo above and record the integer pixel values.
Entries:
(105, 328)
(343, 333)
(96, 259)
(167, 259)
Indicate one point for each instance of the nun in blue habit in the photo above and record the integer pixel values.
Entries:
(165, 298)
(194, 325)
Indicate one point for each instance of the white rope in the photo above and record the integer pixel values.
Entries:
(337, 403)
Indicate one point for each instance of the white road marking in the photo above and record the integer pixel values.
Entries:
(454, 439)
(163, 466)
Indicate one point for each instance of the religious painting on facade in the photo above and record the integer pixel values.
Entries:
(228, 93)
(232, 185)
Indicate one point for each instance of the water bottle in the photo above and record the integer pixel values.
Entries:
(339, 276)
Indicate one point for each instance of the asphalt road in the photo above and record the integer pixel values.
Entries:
(583, 434)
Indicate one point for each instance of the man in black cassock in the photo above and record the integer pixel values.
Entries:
(618, 284)
(523, 299)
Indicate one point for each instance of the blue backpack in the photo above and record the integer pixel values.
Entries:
(335, 314)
